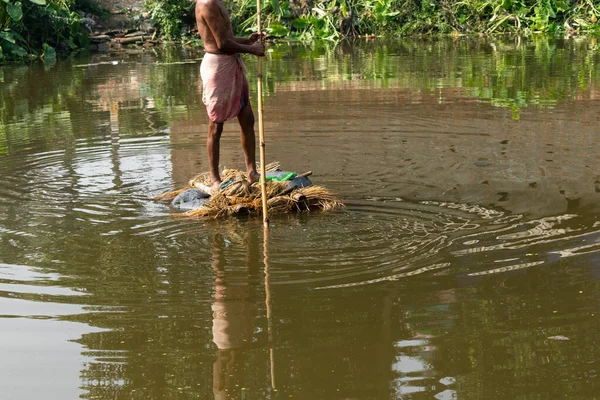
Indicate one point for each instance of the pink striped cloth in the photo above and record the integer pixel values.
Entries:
(225, 89)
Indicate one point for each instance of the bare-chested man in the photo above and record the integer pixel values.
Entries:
(225, 89)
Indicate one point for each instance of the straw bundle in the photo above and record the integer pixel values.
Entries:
(202, 181)
(240, 197)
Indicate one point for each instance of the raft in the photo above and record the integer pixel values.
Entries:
(287, 192)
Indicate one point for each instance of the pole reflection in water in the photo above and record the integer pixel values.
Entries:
(268, 304)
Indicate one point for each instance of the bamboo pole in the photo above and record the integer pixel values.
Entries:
(263, 188)
(261, 130)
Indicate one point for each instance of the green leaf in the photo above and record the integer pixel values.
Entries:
(18, 37)
(16, 50)
(344, 9)
(7, 36)
(301, 23)
(49, 52)
(561, 6)
(1, 53)
(278, 30)
(15, 11)
(316, 22)
(39, 2)
(507, 5)
(275, 4)
(550, 10)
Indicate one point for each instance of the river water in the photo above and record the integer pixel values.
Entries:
(466, 263)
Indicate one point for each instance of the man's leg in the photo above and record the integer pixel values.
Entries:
(247, 137)
(213, 145)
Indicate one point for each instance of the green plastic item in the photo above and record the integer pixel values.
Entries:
(282, 177)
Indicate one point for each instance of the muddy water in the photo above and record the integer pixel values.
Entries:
(465, 265)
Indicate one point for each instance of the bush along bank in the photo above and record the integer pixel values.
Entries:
(45, 29)
(39, 29)
(310, 20)
(329, 19)
(332, 19)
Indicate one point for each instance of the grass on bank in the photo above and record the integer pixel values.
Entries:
(308, 20)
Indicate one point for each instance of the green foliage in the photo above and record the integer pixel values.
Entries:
(503, 16)
(90, 6)
(37, 28)
(15, 11)
(170, 15)
(49, 52)
(331, 19)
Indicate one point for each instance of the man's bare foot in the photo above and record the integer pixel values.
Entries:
(253, 176)
(215, 187)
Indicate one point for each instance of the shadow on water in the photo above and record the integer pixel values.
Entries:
(465, 263)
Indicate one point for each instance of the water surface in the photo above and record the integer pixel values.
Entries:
(465, 264)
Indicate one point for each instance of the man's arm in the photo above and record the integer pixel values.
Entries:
(243, 40)
(250, 39)
(225, 41)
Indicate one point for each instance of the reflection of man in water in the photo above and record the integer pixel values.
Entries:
(234, 311)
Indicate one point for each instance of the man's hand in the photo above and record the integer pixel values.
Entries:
(255, 36)
(258, 49)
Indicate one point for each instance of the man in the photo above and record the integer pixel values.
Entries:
(225, 89)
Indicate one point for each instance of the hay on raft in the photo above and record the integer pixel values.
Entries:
(202, 181)
(242, 198)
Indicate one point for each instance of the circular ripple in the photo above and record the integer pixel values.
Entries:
(107, 183)
(97, 197)
(372, 240)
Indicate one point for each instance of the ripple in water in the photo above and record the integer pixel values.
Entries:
(106, 187)
(387, 239)
(374, 240)
(28, 292)
(101, 182)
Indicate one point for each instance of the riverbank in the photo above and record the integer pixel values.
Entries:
(125, 24)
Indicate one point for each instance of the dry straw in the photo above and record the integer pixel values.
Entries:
(242, 198)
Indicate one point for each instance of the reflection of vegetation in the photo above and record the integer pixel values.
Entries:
(502, 328)
(39, 105)
(34, 110)
(539, 73)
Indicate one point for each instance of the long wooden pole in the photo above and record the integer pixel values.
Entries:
(263, 188)
(261, 130)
